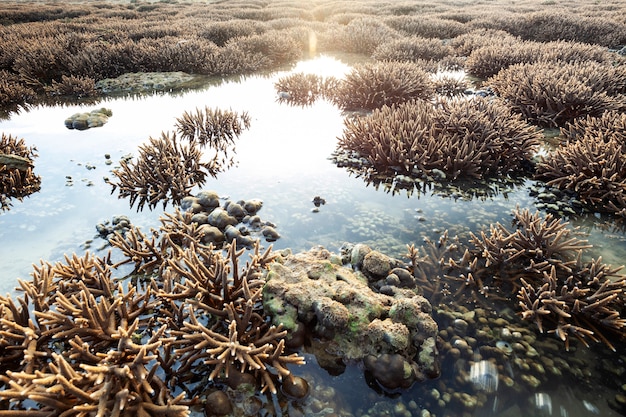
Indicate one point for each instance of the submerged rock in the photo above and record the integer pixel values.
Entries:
(337, 305)
(143, 82)
(87, 120)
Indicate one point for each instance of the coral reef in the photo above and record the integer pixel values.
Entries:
(539, 266)
(87, 120)
(450, 140)
(372, 86)
(79, 341)
(355, 321)
(212, 127)
(551, 95)
(16, 170)
(165, 170)
(304, 89)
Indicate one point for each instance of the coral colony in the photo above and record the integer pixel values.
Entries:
(17, 178)
(191, 322)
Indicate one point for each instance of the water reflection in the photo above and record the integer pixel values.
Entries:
(282, 159)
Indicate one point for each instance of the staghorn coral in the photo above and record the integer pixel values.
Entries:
(80, 341)
(537, 266)
(448, 85)
(164, 171)
(216, 129)
(426, 27)
(304, 89)
(73, 86)
(610, 125)
(488, 60)
(551, 95)
(453, 139)
(412, 49)
(559, 24)
(593, 167)
(12, 92)
(372, 86)
(16, 170)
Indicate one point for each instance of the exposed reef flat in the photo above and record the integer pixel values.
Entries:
(145, 82)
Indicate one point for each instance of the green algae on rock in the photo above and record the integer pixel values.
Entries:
(355, 321)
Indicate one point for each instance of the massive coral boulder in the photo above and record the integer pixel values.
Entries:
(354, 321)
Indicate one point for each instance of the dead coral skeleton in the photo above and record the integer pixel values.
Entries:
(17, 178)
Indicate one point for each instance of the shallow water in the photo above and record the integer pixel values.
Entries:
(283, 160)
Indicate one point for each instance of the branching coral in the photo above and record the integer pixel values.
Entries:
(215, 128)
(455, 139)
(610, 125)
(165, 170)
(551, 94)
(490, 59)
(371, 86)
(538, 265)
(79, 342)
(412, 49)
(17, 178)
(593, 167)
(305, 89)
(73, 86)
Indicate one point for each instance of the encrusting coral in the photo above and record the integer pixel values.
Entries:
(17, 178)
(537, 266)
(81, 341)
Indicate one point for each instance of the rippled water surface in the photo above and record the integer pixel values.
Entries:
(283, 160)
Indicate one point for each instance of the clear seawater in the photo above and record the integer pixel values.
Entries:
(282, 159)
